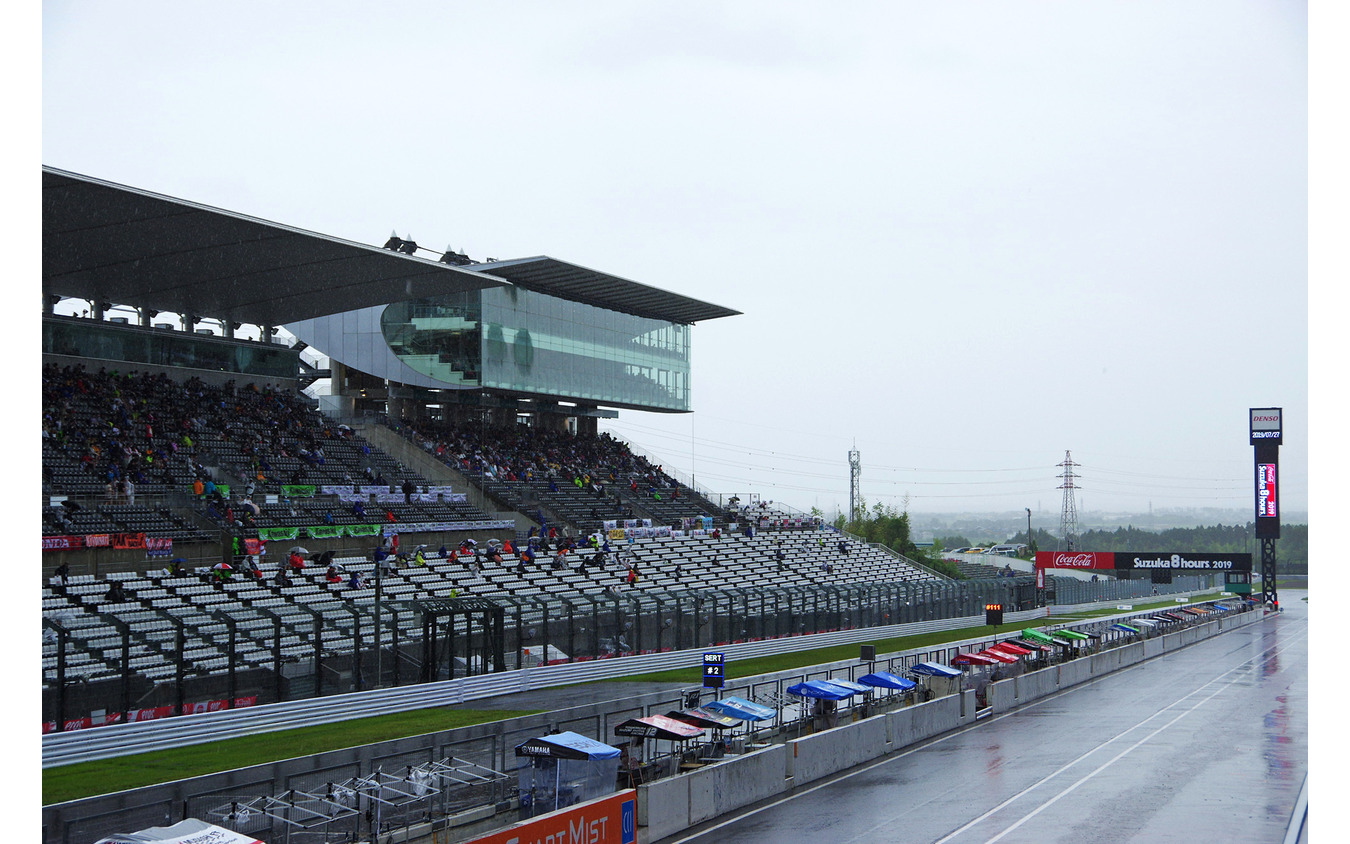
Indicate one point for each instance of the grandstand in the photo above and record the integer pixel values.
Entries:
(181, 466)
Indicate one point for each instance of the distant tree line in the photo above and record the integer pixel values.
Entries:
(886, 525)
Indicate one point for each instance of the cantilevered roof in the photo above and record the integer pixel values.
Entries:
(123, 245)
(569, 281)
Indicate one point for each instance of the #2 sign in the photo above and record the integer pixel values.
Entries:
(714, 670)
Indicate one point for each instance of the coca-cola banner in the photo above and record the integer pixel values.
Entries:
(1143, 561)
(1075, 560)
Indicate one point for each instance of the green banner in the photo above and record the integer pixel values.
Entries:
(324, 531)
(298, 490)
(278, 533)
(362, 530)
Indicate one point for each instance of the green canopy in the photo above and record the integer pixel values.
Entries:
(1037, 636)
(1072, 634)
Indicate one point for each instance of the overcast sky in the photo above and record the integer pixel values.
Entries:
(966, 237)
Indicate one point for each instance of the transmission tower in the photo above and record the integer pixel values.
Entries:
(1068, 516)
(854, 484)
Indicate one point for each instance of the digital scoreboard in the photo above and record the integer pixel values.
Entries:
(714, 670)
(993, 614)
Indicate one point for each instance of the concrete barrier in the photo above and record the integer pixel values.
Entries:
(1037, 684)
(1073, 673)
(816, 756)
(1131, 654)
(1154, 647)
(726, 786)
(663, 807)
(913, 724)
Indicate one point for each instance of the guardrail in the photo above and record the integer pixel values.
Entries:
(114, 740)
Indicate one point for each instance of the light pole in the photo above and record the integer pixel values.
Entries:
(1031, 543)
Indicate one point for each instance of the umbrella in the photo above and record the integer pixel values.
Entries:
(222, 567)
(257, 511)
(297, 549)
(71, 506)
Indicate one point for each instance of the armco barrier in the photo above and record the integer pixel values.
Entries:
(838, 749)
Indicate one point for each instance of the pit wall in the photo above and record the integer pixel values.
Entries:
(668, 806)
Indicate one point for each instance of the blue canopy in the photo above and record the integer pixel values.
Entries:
(567, 745)
(1124, 628)
(822, 689)
(849, 684)
(887, 680)
(935, 669)
(739, 707)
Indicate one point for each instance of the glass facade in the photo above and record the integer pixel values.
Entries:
(108, 341)
(529, 342)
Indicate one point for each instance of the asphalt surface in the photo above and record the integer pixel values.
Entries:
(1207, 744)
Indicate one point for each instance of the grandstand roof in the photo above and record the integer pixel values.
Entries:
(124, 245)
(580, 284)
(119, 244)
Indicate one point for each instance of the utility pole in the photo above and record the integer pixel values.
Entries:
(854, 484)
(1068, 516)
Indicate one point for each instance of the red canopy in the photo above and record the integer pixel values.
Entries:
(973, 659)
(998, 655)
(1010, 648)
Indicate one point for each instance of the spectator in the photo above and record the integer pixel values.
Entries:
(63, 572)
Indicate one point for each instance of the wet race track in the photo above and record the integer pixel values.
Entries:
(1207, 744)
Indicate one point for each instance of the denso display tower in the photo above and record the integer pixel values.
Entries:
(1266, 436)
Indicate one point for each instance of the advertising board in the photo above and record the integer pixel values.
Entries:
(609, 820)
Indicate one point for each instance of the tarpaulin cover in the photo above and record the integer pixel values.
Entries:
(567, 746)
(935, 669)
(822, 689)
(658, 727)
(184, 831)
(739, 707)
(887, 680)
(702, 716)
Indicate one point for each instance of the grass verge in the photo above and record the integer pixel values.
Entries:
(86, 779)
